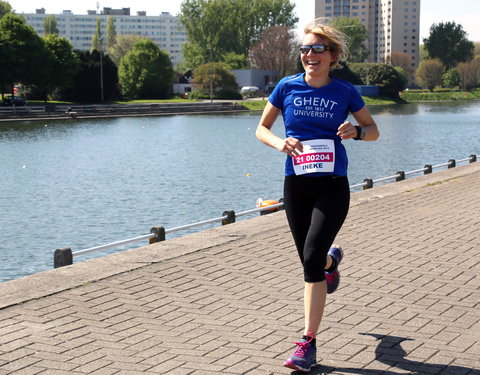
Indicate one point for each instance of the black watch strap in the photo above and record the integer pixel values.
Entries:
(360, 133)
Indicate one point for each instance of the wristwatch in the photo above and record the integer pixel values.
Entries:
(360, 133)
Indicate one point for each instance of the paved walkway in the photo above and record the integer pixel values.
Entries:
(229, 300)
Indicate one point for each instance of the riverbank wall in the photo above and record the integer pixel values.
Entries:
(62, 112)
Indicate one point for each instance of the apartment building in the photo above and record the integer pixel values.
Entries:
(165, 30)
(393, 26)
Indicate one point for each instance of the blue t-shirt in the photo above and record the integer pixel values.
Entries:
(316, 113)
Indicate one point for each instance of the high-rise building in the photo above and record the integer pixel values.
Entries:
(393, 26)
(165, 30)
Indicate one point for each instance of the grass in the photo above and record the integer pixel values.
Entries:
(253, 105)
(407, 96)
(258, 105)
(439, 95)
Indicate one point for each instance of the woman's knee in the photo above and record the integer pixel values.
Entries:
(314, 267)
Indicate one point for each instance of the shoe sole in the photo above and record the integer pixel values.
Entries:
(292, 366)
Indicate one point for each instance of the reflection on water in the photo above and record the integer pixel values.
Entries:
(81, 183)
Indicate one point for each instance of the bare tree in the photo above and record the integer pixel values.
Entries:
(276, 50)
(469, 73)
(403, 60)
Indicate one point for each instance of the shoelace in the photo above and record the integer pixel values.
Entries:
(302, 348)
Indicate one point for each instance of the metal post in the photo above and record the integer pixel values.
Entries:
(62, 257)
(473, 158)
(230, 217)
(400, 176)
(428, 169)
(451, 163)
(101, 70)
(281, 200)
(368, 183)
(159, 235)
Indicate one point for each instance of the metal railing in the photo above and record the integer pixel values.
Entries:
(64, 256)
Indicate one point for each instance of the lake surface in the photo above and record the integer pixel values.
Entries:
(82, 183)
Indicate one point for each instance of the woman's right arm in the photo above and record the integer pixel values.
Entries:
(290, 146)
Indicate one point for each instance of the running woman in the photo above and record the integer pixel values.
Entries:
(315, 106)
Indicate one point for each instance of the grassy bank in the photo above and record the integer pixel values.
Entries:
(258, 105)
(439, 95)
(408, 96)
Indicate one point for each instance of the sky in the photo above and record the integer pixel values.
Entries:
(463, 12)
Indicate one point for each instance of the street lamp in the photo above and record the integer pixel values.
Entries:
(101, 69)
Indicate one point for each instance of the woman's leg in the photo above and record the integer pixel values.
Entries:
(316, 210)
(315, 295)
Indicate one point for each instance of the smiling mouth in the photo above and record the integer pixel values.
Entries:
(310, 62)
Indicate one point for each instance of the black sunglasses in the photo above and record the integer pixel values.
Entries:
(317, 48)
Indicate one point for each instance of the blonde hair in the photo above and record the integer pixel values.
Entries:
(336, 40)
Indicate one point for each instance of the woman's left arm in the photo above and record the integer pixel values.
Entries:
(348, 131)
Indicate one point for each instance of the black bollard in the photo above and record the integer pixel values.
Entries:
(400, 176)
(159, 235)
(230, 217)
(368, 183)
(62, 257)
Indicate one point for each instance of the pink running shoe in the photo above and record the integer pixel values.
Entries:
(304, 358)
(333, 277)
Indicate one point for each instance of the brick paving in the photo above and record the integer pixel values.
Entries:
(229, 300)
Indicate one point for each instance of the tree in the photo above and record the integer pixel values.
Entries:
(5, 8)
(216, 27)
(62, 65)
(423, 53)
(146, 72)
(111, 32)
(123, 45)
(403, 61)
(276, 49)
(469, 73)
(452, 78)
(477, 49)
(85, 86)
(97, 40)
(50, 25)
(429, 73)
(234, 61)
(356, 34)
(448, 42)
(389, 80)
(23, 55)
(346, 74)
(213, 78)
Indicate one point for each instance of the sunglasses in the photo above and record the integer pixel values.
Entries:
(317, 48)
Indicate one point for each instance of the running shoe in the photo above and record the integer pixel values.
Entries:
(304, 358)
(333, 277)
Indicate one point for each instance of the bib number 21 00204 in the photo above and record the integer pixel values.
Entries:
(318, 156)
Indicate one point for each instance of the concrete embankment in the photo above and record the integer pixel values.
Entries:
(229, 300)
(60, 112)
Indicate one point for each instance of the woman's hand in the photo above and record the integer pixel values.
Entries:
(347, 130)
(291, 146)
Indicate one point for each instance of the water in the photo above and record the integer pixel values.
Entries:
(84, 183)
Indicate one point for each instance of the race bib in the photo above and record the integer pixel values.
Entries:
(318, 156)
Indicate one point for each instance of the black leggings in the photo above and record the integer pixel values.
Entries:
(316, 208)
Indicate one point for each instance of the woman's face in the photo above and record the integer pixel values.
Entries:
(316, 64)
